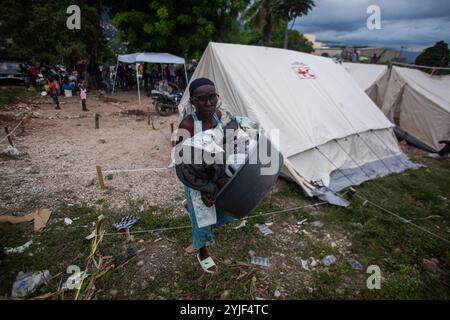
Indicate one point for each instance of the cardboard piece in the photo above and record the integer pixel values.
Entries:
(40, 217)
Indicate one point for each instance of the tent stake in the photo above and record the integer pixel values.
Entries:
(9, 137)
(100, 177)
(97, 116)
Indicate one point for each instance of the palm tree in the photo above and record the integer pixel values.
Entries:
(260, 14)
(268, 13)
(291, 9)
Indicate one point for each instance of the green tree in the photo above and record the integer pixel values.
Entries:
(296, 40)
(435, 56)
(269, 15)
(182, 27)
(38, 31)
(260, 16)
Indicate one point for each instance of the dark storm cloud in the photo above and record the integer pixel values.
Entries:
(404, 22)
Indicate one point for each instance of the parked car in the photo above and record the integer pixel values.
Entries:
(13, 73)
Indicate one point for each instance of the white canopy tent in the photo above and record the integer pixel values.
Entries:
(148, 57)
(325, 120)
(372, 78)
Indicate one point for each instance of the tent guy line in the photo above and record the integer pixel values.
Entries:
(381, 207)
(76, 173)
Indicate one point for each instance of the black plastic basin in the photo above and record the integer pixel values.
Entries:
(248, 186)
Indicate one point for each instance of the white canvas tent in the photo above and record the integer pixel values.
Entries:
(420, 105)
(324, 118)
(148, 57)
(372, 78)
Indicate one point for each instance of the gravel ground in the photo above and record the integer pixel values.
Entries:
(60, 150)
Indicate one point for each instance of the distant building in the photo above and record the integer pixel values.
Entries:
(312, 38)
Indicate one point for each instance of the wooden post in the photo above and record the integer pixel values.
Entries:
(9, 137)
(97, 116)
(171, 134)
(100, 177)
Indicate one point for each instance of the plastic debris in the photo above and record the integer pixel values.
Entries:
(264, 229)
(19, 249)
(317, 224)
(355, 264)
(27, 283)
(304, 264)
(68, 221)
(11, 151)
(277, 294)
(302, 222)
(434, 155)
(405, 221)
(73, 282)
(225, 295)
(125, 223)
(38, 189)
(91, 236)
(269, 224)
(329, 260)
(241, 225)
(260, 261)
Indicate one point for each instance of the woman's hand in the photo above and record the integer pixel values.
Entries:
(222, 181)
(208, 199)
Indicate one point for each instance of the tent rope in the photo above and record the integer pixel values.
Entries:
(379, 206)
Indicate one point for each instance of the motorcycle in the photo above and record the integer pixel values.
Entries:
(165, 102)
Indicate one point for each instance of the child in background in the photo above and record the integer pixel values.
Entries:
(83, 96)
(53, 87)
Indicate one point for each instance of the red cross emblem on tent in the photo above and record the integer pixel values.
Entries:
(303, 72)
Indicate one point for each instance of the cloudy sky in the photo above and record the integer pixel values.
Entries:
(415, 24)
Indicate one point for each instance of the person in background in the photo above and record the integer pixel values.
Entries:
(153, 78)
(34, 73)
(354, 56)
(129, 77)
(83, 96)
(165, 72)
(145, 76)
(121, 76)
(53, 87)
(171, 73)
(374, 58)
